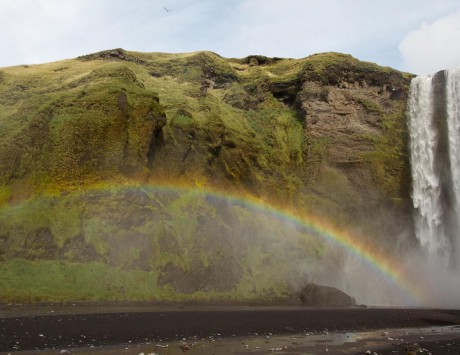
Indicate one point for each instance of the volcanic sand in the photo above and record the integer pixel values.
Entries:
(113, 328)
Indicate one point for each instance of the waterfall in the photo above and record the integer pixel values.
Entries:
(425, 193)
(434, 127)
(453, 124)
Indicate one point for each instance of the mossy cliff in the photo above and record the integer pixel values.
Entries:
(84, 142)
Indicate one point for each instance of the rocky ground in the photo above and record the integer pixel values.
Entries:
(227, 330)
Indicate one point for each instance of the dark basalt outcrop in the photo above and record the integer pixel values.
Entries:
(317, 295)
(117, 54)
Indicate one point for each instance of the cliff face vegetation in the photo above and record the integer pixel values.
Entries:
(86, 143)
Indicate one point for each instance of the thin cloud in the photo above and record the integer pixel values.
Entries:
(369, 30)
(34, 31)
(433, 47)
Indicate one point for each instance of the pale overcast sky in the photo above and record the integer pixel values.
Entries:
(419, 36)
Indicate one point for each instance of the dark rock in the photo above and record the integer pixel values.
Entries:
(117, 54)
(122, 102)
(78, 250)
(39, 244)
(317, 295)
(255, 60)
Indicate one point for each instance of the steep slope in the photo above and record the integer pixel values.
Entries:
(86, 143)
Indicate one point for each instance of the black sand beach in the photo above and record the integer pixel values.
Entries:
(76, 327)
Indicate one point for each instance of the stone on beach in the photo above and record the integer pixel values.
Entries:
(317, 295)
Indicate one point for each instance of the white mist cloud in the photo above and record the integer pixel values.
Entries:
(433, 47)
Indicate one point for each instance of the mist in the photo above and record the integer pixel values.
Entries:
(183, 242)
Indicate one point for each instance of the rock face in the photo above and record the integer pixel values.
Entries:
(85, 143)
(317, 295)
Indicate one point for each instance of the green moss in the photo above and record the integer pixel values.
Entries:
(182, 122)
(65, 223)
(94, 229)
(317, 151)
(29, 216)
(370, 105)
(83, 129)
(334, 183)
(332, 68)
(389, 161)
(281, 135)
(57, 281)
(192, 234)
(5, 194)
(238, 97)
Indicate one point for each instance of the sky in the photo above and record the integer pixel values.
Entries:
(418, 36)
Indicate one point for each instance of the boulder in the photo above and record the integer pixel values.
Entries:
(317, 295)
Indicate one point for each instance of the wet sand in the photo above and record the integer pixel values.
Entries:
(110, 330)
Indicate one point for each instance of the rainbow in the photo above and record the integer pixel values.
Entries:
(378, 261)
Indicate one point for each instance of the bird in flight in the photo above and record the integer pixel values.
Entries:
(167, 10)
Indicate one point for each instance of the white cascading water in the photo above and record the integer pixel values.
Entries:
(453, 125)
(434, 127)
(426, 185)
(433, 228)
